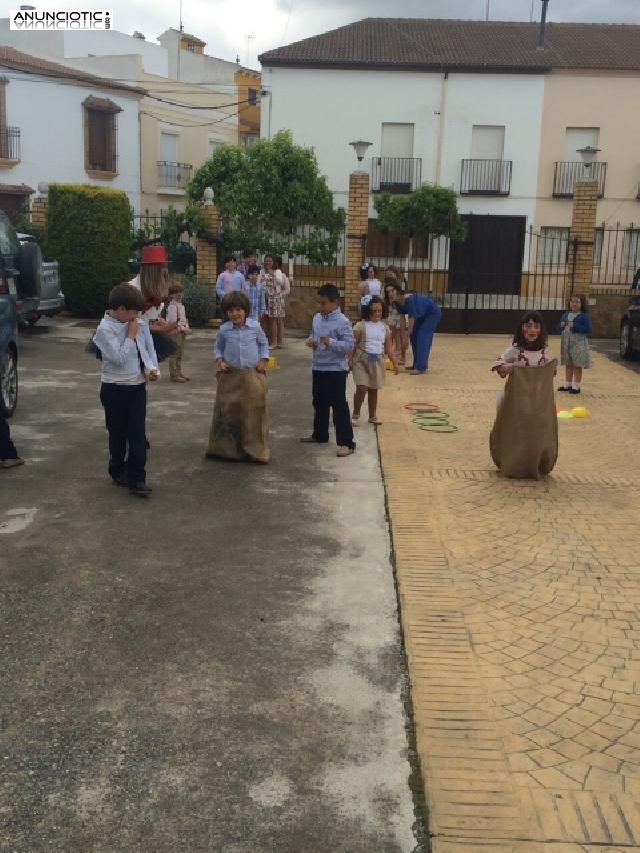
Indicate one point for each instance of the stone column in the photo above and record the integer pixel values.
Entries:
(208, 251)
(357, 228)
(583, 223)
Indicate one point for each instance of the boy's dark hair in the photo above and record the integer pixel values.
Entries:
(330, 292)
(253, 269)
(247, 253)
(175, 287)
(365, 310)
(236, 299)
(519, 339)
(228, 258)
(127, 296)
(584, 304)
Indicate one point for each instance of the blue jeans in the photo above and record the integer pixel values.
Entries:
(422, 339)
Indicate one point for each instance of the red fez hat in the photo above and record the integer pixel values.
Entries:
(154, 255)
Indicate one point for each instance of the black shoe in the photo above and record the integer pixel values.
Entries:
(564, 388)
(574, 390)
(120, 480)
(140, 489)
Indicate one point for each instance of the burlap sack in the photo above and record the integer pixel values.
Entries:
(240, 428)
(524, 438)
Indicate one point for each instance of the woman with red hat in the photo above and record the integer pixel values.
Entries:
(153, 281)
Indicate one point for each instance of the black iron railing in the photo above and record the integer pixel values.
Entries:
(9, 143)
(396, 174)
(175, 175)
(566, 173)
(485, 177)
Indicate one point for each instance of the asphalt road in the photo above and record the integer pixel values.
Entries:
(217, 668)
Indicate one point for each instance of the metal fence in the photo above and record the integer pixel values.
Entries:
(491, 277)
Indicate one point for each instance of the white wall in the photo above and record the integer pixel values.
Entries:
(327, 109)
(47, 44)
(50, 118)
(155, 59)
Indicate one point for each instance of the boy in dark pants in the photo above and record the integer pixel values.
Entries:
(331, 340)
(128, 361)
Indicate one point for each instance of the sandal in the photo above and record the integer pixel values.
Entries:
(375, 421)
(355, 420)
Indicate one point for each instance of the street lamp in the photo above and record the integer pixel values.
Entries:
(588, 154)
(207, 195)
(360, 147)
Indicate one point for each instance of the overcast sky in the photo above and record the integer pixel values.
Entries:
(226, 25)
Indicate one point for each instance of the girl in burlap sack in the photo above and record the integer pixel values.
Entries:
(240, 429)
(524, 438)
(367, 360)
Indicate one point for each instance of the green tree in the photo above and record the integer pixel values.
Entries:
(429, 212)
(267, 193)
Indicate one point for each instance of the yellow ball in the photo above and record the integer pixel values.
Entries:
(580, 412)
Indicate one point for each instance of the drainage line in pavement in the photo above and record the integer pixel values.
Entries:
(420, 808)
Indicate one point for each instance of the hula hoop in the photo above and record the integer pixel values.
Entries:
(438, 427)
(422, 407)
(431, 418)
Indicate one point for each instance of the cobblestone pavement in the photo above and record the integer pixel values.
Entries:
(520, 605)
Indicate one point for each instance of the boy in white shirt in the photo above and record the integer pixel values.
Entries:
(128, 362)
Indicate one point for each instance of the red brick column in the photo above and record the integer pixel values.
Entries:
(583, 223)
(208, 251)
(357, 228)
(39, 211)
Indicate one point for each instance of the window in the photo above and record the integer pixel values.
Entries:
(553, 245)
(191, 47)
(579, 137)
(397, 140)
(249, 139)
(252, 97)
(100, 135)
(487, 142)
(631, 248)
(214, 145)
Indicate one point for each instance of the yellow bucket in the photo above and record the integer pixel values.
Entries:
(273, 363)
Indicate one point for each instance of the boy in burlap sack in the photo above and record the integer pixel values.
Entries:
(240, 428)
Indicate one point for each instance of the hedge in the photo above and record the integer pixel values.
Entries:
(89, 234)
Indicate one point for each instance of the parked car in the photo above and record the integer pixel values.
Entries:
(8, 338)
(47, 276)
(630, 330)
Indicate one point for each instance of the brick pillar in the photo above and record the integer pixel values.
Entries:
(357, 228)
(208, 251)
(39, 211)
(583, 223)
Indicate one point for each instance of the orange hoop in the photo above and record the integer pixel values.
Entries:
(422, 407)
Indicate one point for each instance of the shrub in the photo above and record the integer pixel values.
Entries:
(199, 303)
(88, 233)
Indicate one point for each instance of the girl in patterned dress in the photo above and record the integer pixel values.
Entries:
(575, 326)
(529, 348)
(276, 287)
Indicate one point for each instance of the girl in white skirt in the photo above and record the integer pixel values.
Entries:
(373, 341)
(575, 326)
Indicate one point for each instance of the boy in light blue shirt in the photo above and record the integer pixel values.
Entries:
(331, 340)
(240, 428)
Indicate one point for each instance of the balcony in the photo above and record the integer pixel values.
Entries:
(174, 175)
(396, 174)
(485, 177)
(9, 143)
(566, 173)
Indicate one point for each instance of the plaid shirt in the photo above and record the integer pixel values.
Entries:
(257, 299)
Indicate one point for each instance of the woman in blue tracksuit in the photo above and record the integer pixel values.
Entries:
(426, 315)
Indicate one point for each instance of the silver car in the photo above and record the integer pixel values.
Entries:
(50, 295)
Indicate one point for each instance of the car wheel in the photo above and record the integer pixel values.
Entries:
(9, 383)
(33, 320)
(626, 349)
